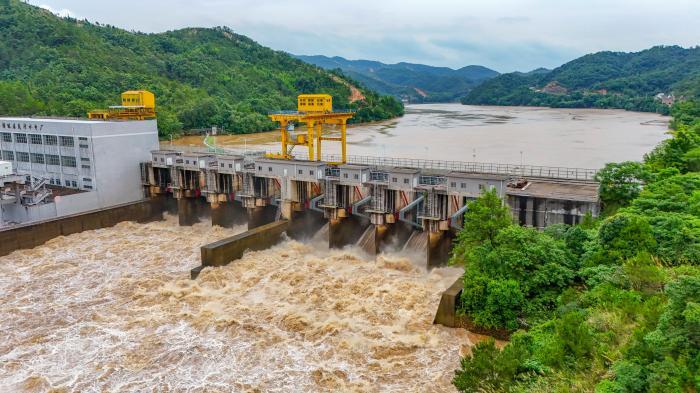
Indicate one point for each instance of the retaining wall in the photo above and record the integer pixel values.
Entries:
(34, 234)
(224, 251)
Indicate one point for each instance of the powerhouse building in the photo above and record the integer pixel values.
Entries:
(90, 164)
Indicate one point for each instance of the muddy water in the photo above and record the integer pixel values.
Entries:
(114, 310)
(583, 138)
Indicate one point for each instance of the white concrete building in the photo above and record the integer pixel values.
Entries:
(98, 158)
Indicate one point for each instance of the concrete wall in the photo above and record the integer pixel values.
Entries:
(35, 234)
(224, 251)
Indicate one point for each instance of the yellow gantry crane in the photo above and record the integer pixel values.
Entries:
(136, 105)
(313, 110)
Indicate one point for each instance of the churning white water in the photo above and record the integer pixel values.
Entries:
(114, 310)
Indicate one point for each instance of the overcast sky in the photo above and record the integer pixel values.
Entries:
(505, 35)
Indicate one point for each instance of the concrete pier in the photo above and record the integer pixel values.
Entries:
(345, 231)
(261, 215)
(446, 314)
(438, 250)
(305, 224)
(224, 251)
(228, 214)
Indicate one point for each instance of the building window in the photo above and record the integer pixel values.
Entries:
(453, 184)
(85, 159)
(37, 158)
(68, 161)
(86, 167)
(259, 169)
(405, 181)
(345, 175)
(311, 173)
(357, 176)
(51, 140)
(22, 156)
(187, 162)
(394, 180)
(67, 141)
(52, 159)
(82, 138)
(6, 137)
(87, 179)
(21, 138)
(301, 172)
(35, 139)
(222, 164)
(230, 166)
(58, 182)
(463, 185)
(87, 187)
(269, 169)
(8, 155)
(83, 146)
(481, 187)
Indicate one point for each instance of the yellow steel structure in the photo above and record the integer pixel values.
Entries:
(136, 105)
(313, 110)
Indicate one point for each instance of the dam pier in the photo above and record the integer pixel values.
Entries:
(376, 203)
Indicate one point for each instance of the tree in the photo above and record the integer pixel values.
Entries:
(484, 218)
(621, 182)
(518, 274)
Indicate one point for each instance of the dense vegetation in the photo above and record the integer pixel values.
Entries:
(611, 305)
(601, 80)
(416, 82)
(201, 77)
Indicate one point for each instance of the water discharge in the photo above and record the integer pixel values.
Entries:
(113, 310)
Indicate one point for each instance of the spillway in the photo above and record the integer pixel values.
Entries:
(114, 310)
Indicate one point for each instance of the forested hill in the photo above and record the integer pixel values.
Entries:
(604, 79)
(201, 76)
(416, 82)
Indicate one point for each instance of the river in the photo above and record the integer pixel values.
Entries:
(580, 138)
(114, 310)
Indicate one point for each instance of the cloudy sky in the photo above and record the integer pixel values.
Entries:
(506, 35)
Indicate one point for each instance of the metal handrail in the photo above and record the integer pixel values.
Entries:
(472, 167)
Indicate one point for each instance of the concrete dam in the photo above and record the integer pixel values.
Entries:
(376, 203)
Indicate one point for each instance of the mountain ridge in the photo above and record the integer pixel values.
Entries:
(606, 79)
(405, 80)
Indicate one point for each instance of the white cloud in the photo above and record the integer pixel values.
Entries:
(63, 12)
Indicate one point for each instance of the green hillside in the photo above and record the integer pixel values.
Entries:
(201, 76)
(416, 82)
(603, 80)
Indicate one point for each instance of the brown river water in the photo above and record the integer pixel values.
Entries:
(114, 310)
(578, 138)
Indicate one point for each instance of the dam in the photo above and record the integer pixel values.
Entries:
(372, 201)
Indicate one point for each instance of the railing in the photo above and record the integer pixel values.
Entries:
(471, 167)
(292, 112)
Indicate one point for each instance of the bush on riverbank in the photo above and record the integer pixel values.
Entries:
(612, 305)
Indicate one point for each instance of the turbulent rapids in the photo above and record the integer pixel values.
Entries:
(114, 310)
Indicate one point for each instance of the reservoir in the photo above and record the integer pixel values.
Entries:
(578, 138)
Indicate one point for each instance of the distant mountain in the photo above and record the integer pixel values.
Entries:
(416, 82)
(201, 76)
(605, 79)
